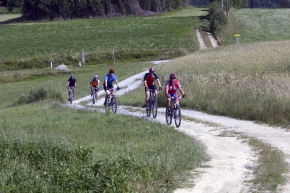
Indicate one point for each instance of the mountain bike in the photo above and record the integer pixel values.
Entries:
(94, 90)
(152, 105)
(173, 113)
(70, 93)
(111, 102)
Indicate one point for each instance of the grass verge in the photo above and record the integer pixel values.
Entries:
(271, 169)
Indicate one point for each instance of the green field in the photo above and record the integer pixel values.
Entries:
(31, 45)
(48, 147)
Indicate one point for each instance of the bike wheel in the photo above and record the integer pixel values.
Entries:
(177, 116)
(168, 117)
(114, 105)
(148, 108)
(154, 107)
(70, 97)
(94, 98)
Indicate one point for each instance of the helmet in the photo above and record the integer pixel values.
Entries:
(111, 70)
(172, 76)
(96, 76)
(72, 75)
(151, 69)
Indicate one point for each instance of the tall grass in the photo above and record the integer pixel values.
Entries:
(249, 81)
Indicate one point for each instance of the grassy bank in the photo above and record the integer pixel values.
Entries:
(90, 142)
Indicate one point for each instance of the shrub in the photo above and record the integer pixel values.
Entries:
(37, 95)
(217, 18)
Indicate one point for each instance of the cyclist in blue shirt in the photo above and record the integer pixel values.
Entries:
(108, 83)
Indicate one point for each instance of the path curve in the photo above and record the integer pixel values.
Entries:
(232, 161)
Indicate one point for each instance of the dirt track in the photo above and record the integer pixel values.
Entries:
(232, 161)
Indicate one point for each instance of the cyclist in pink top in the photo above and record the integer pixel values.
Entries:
(171, 87)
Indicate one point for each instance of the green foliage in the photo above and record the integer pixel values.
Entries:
(29, 166)
(44, 167)
(239, 4)
(217, 18)
(5, 10)
(118, 175)
(133, 158)
(93, 8)
(37, 95)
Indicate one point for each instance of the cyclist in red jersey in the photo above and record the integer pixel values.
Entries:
(171, 87)
(149, 83)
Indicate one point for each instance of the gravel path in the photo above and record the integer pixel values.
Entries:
(232, 161)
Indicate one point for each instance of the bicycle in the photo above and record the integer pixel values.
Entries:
(93, 93)
(152, 106)
(175, 112)
(111, 102)
(70, 94)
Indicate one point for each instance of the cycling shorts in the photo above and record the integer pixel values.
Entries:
(110, 86)
(96, 88)
(175, 95)
(150, 87)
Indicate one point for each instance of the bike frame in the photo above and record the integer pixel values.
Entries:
(70, 90)
(94, 90)
(111, 101)
(175, 112)
(152, 104)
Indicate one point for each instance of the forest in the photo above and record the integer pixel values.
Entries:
(69, 9)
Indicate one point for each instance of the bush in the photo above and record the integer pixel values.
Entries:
(217, 18)
(29, 166)
(37, 95)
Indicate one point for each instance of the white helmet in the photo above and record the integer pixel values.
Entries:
(96, 76)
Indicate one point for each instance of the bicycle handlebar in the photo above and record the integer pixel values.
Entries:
(174, 98)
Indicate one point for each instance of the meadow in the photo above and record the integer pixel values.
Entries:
(246, 81)
(255, 25)
(33, 45)
(48, 148)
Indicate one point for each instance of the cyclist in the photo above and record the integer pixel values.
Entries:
(108, 83)
(72, 83)
(95, 83)
(149, 83)
(171, 87)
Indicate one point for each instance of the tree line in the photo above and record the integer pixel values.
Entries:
(69, 9)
